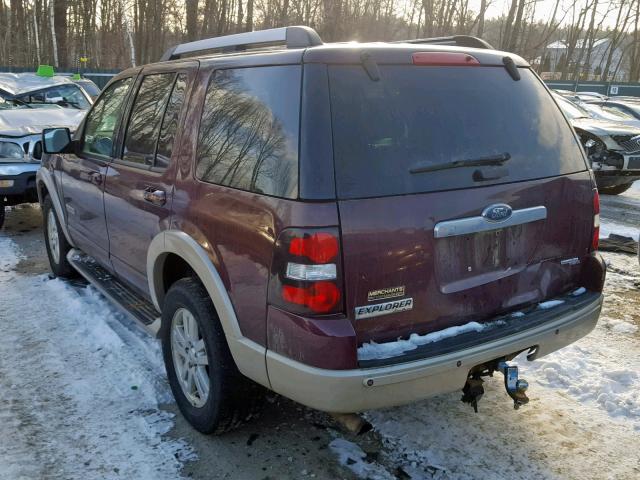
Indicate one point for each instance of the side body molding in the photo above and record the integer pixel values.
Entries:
(250, 357)
(44, 176)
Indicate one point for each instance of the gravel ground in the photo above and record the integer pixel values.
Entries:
(83, 395)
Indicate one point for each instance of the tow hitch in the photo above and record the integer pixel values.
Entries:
(515, 387)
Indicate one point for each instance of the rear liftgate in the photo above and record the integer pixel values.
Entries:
(516, 388)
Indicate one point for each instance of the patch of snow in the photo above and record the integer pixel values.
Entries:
(354, 458)
(80, 396)
(579, 291)
(550, 304)
(517, 314)
(621, 326)
(10, 256)
(373, 350)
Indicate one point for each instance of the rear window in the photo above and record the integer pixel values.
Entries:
(420, 117)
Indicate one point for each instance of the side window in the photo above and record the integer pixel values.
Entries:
(144, 123)
(248, 136)
(103, 120)
(170, 122)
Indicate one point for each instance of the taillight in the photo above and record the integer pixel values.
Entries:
(319, 297)
(306, 273)
(445, 59)
(318, 247)
(596, 220)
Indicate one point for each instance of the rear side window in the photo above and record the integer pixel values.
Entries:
(417, 118)
(103, 119)
(146, 116)
(170, 122)
(249, 130)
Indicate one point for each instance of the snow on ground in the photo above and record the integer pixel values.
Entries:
(583, 420)
(620, 214)
(355, 459)
(79, 389)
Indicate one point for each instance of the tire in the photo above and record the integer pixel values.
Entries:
(617, 190)
(231, 399)
(56, 242)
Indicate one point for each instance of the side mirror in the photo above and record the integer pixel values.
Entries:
(56, 140)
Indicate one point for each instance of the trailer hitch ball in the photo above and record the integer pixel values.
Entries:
(516, 387)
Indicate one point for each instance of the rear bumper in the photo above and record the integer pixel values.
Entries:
(345, 391)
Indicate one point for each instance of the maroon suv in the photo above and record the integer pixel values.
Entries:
(352, 226)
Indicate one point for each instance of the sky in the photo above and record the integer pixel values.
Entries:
(544, 9)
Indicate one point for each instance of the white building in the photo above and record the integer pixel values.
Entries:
(592, 67)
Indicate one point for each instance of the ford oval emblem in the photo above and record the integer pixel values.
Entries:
(498, 212)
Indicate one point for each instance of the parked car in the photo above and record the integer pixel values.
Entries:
(600, 113)
(21, 125)
(353, 226)
(625, 105)
(89, 87)
(613, 148)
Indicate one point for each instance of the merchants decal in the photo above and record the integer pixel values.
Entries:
(386, 308)
(381, 294)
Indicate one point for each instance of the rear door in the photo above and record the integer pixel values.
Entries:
(139, 183)
(84, 172)
(464, 243)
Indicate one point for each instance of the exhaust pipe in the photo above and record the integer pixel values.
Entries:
(352, 422)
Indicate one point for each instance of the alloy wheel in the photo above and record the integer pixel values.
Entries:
(190, 358)
(52, 235)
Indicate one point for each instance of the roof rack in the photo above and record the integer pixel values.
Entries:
(292, 37)
(456, 40)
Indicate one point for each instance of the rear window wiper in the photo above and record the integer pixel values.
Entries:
(472, 162)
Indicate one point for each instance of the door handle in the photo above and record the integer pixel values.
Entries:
(96, 178)
(155, 196)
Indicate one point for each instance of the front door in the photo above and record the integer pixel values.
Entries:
(84, 172)
(139, 182)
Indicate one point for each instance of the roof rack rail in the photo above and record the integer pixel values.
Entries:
(292, 37)
(456, 40)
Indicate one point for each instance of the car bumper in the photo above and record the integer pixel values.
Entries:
(346, 391)
(18, 182)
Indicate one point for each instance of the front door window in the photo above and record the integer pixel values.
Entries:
(103, 120)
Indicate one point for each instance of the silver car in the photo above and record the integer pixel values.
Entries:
(613, 147)
(28, 104)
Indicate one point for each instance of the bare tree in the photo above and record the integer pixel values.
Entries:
(54, 41)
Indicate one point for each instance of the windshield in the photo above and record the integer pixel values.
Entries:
(473, 126)
(63, 95)
(7, 103)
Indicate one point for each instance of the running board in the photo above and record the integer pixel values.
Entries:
(132, 304)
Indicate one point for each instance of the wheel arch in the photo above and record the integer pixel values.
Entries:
(249, 356)
(45, 186)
